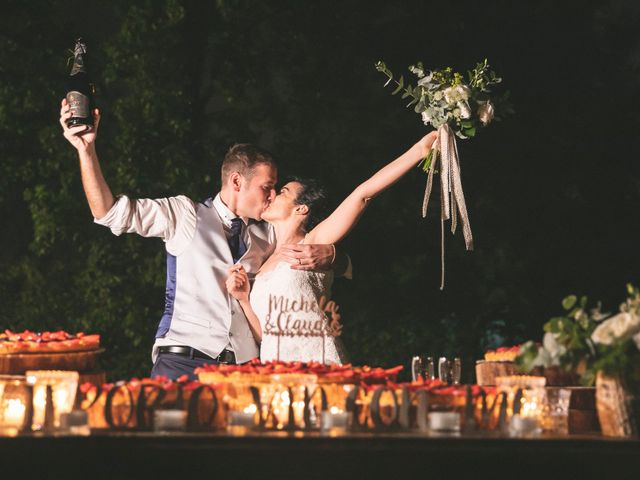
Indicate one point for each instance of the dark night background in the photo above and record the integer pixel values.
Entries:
(553, 191)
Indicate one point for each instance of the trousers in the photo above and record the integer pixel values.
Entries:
(173, 366)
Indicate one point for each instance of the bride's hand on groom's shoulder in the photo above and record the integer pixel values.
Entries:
(425, 144)
(238, 283)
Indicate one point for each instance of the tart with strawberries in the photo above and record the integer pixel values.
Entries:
(256, 372)
(46, 342)
(497, 363)
(21, 351)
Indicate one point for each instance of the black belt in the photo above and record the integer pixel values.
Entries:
(226, 356)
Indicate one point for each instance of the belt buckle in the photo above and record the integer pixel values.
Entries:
(224, 357)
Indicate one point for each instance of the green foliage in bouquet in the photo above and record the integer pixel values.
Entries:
(567, 341)
(446, 97)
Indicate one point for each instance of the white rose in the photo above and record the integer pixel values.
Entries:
(544, 359)
(463, 92)
(486, 113)
(459, 93)
(551, 345)
(603, 334)
(449, 95)
(618, 327)
(627, 325)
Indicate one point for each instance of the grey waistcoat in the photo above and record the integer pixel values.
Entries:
(199, 312)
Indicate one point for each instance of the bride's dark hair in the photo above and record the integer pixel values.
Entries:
(314, 197)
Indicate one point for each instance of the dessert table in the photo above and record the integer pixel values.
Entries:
(390, 455)
(263, 420)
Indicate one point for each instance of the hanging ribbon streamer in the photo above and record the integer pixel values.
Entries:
(451, 194)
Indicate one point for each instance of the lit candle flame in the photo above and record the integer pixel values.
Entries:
(14, 412)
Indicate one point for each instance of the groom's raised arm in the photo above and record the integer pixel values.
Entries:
(97, 191)
(172, 219)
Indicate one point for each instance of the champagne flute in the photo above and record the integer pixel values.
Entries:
(417, 367)
(444, 371)
(430, 369)
(456, 370)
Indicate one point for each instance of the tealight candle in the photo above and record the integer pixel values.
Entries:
(241, 419)
(239, 423)
(334, 421)
(522, 425)
(444, 421)
(170, 420)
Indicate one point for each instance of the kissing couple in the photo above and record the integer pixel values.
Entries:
(235, 259)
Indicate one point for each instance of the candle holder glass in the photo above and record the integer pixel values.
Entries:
(15, 399)
(555, 410)
(62, 385)
(289, 397)
(525, 395)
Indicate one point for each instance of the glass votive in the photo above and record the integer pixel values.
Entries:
(555, 410)
(170, 420)
(14, 403)
(63, 393)
(531, 396)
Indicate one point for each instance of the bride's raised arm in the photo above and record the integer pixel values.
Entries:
(336, 226)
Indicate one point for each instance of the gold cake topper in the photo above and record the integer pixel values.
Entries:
(286, 318)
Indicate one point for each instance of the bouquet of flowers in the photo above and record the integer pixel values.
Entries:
(617, 340)
(456, 108)
(587, 341)
(602, 349)
(443, 97)
(567, 343)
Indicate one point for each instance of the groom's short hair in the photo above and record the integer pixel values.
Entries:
(244, 158)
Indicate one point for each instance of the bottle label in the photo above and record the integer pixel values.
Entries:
(79, 104)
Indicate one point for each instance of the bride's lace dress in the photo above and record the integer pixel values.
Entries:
(293, 326)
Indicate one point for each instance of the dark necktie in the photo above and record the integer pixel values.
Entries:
(236, 244)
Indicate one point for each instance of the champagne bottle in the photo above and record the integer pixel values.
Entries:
(80, 90)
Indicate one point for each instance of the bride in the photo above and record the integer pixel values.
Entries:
(286, 308)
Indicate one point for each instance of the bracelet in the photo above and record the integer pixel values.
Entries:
(334, 253)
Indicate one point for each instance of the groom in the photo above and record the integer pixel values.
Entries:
(201, 323)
